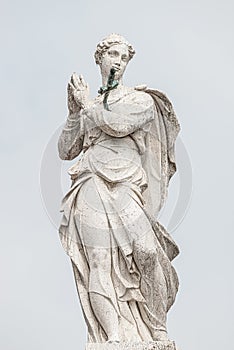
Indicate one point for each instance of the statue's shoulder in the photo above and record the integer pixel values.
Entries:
(162, 103)
(139, 95)
(158, 96)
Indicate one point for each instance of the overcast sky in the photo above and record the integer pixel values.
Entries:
(184, 48)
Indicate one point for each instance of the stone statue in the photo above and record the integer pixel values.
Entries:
(121, 255)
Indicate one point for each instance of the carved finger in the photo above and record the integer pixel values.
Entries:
(76, 81)
(73, 81)
(72, 87)
(69, 89)
(83, 81)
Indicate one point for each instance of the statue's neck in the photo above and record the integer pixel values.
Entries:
(105, 80)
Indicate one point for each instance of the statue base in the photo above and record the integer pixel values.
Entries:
(149, 345)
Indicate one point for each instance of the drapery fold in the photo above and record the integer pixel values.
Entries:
(126, 201)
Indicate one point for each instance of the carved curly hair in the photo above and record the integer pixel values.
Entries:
(109, 41)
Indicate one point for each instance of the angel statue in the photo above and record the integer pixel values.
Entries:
(121, 255)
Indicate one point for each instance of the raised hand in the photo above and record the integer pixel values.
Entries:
(78, 93)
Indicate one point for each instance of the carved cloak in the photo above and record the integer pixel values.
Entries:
(159, 164)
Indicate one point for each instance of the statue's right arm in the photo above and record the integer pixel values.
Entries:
(70, 142)
(71, 139)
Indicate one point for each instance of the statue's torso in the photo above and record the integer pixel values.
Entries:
(116, 159)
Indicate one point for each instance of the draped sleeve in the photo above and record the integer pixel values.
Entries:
(74, 134)
(71, 139)
(158, 160)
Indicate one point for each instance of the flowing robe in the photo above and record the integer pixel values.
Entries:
(119, 184)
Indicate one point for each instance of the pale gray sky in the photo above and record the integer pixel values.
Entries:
(184, 48)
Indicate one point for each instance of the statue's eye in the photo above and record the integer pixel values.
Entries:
(113, 53)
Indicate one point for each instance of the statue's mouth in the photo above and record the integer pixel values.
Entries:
(116, 68)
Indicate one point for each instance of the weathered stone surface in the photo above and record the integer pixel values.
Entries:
(152, 345)
(121, 255)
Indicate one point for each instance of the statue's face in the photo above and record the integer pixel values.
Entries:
(117, 56)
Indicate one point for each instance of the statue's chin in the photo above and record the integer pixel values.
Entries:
(118, 76)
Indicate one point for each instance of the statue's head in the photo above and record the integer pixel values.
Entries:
(113, 52)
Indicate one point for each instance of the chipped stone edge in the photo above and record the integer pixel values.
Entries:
(150, 345)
